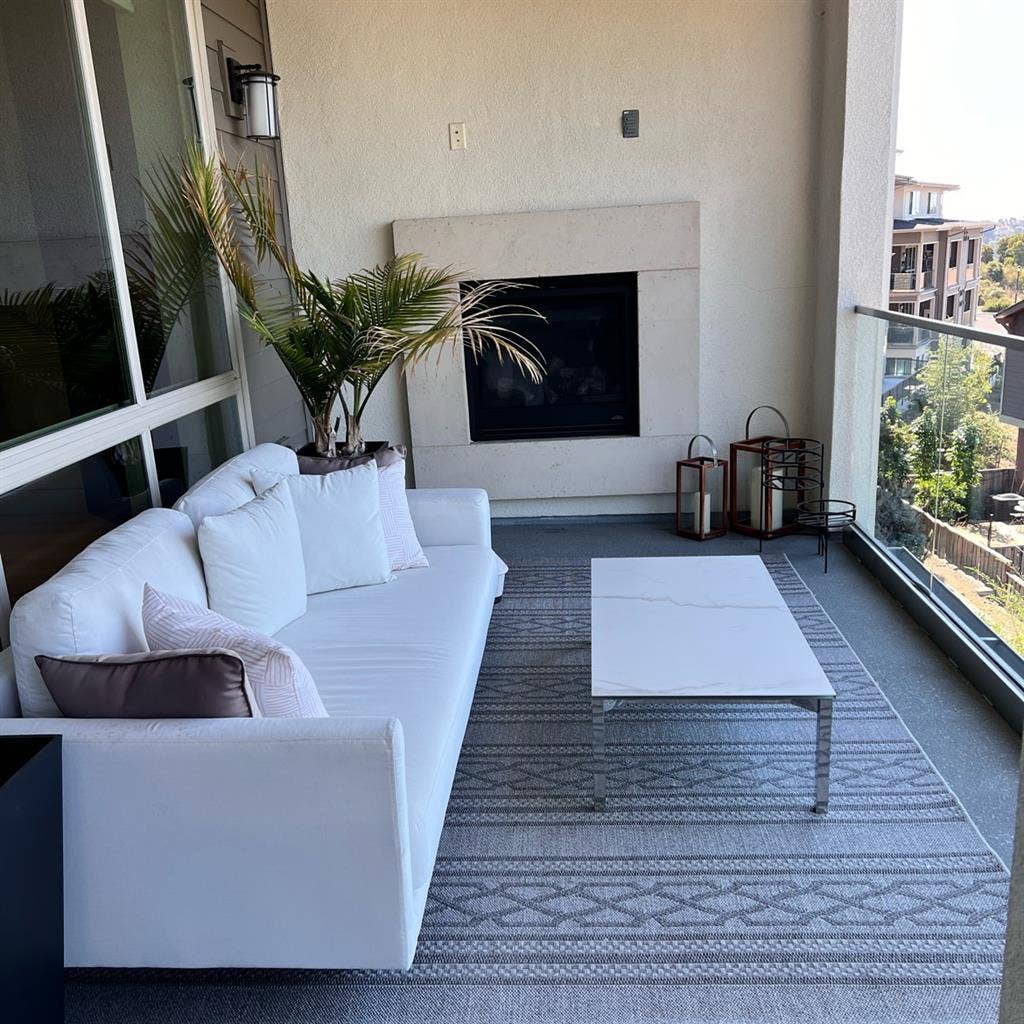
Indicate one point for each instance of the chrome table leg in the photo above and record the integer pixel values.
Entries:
(823, 757)
(597, 709)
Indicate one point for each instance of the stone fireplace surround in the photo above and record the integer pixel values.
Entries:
(661, 243)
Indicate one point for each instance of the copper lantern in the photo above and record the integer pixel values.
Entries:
(770, 476)
(702, 493)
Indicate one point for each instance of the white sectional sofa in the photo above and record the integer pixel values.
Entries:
(264, 842)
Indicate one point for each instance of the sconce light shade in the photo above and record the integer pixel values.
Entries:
(261, 121)
(255, 89)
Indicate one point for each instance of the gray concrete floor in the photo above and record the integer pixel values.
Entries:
(977, 753)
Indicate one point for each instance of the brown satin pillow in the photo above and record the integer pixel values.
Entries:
(201, 683)
(313, 465)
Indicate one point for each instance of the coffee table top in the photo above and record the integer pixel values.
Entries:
(696, 626)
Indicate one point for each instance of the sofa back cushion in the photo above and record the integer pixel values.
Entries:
(94, 604)
(252, 557)
(340, 526)
(229, 486)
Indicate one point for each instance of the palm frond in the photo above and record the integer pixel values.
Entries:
(329, 334)
(204, 190)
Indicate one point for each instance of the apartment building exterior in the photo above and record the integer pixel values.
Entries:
(935, 270)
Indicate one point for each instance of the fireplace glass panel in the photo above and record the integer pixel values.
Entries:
(589, 342)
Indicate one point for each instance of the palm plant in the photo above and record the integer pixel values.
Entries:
(337, 338)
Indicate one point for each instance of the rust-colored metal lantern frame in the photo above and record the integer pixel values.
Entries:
(786, 465)
(712, 473)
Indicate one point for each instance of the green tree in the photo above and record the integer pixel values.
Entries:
(994, 271)
(1013, 276)
(993, 438)
(992, 297)
(987, 253)
(941, 496)
(924, 449)
(958, 380)
(965, 454)
(1011, 247)
(894, 445)
(965, 459)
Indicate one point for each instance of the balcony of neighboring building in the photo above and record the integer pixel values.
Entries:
(913, 281)
(912, 268)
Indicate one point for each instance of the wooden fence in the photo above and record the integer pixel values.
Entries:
(1015, 585)
(996, 481)
(962, 550)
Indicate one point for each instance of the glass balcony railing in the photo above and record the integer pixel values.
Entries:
(950, 498)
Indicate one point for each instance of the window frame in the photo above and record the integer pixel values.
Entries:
(42, 454)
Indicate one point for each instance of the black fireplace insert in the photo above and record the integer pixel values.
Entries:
(589, 342)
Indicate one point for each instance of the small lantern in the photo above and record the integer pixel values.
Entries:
(256, 89)
(702, 497)
(770, 476)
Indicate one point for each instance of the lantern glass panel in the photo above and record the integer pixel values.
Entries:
(746, 501)
(716, 482)
(689, 514)
(702, 508)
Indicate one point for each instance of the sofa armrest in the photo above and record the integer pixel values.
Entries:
(451, 515)
(235, 842)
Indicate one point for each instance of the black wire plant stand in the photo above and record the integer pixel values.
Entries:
(826, 516)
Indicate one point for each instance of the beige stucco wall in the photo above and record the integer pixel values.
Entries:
(727, 94)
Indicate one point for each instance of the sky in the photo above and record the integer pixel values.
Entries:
(961, 115)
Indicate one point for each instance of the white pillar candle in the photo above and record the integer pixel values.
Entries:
(757, 501)
(690, 506)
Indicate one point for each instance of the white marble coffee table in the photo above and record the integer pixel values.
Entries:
(699, 628)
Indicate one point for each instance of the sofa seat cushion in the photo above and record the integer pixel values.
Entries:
(409, 650)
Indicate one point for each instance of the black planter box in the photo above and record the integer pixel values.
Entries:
(31, 880)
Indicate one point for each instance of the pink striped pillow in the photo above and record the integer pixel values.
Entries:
(280, 682)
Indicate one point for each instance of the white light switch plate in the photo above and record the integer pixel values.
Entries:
(457, 135)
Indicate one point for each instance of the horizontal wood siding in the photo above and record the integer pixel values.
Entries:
(240, 24)
(1013, 385)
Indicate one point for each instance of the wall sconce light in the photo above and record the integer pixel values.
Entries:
(256, 90)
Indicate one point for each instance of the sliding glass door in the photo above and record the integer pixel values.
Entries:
(120, 367)
(147, 104)
(62, 348)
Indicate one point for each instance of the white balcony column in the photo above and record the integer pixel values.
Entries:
(861, 56)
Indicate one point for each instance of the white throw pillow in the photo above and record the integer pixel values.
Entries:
(252, 558)
(340, 526)
(281, 684)
(404, 550)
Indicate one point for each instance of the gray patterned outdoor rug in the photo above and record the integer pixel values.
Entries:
(706, 892)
